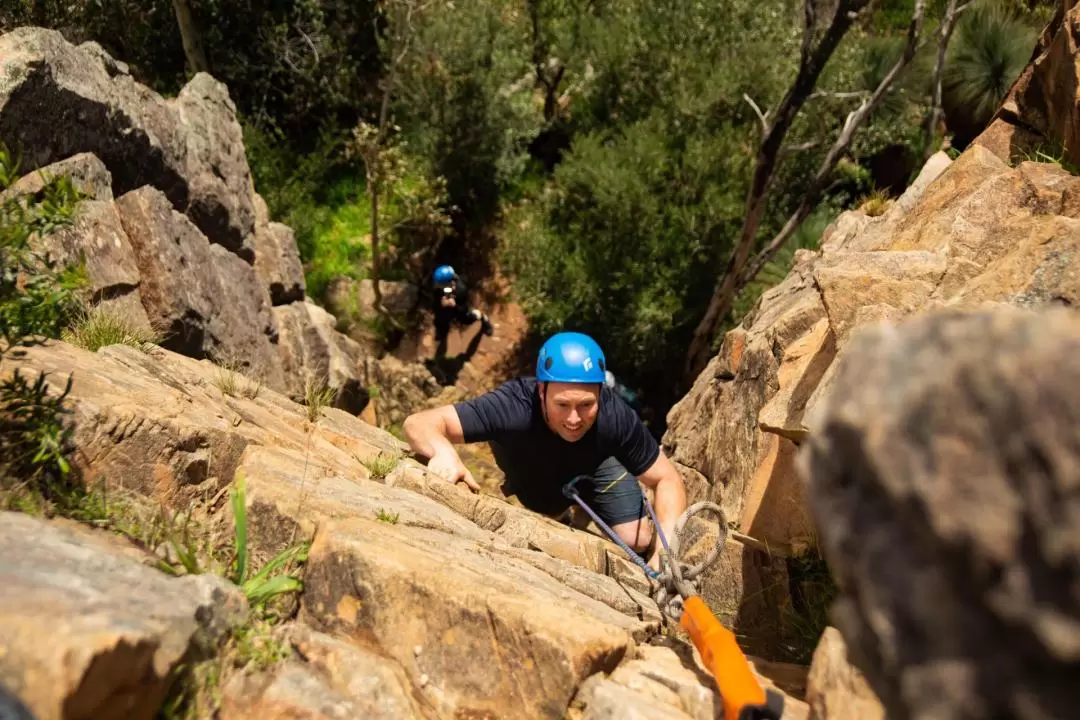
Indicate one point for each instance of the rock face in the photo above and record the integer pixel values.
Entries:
(207, 300)
(311, 351)
(835, 689)
(58, 100)
(87, 632)
(277, 260)
(973, 232)
(187, 247)
(1042, 104)
(943, 478)
(420, 599)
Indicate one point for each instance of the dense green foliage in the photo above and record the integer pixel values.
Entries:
(37, 301)
(599, 152)
(991, 47)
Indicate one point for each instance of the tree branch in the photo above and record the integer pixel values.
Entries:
(838, 95)
(933, 117)
(760, 115)
(809, 21)
(817, 186)
(801, 147)
(812, 63)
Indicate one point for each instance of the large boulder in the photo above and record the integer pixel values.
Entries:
(96, 237)
(207, 301)
(943, 477)
(58, 100)
(277, 258)
(835, 689)
(89, 632)
(1043, 106)
(314, 355)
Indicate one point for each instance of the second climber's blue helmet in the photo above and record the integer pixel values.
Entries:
(443, 275)
(570, 357)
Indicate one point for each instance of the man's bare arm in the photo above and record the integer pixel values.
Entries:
(670, 492)
(428, 431)
(433, 433)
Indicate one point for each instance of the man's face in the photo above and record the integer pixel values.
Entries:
(570, 409)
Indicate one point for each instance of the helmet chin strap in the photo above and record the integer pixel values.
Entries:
(543, 402)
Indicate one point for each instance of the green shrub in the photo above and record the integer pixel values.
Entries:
(37, 301)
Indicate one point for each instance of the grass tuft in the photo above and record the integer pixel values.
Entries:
(104, 325)
(381, 465)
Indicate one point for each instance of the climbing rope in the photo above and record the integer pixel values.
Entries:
(676, 578)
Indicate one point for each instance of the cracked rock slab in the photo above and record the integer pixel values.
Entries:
(497, 637)
(88, 633)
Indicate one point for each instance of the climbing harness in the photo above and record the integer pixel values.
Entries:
(677, 595)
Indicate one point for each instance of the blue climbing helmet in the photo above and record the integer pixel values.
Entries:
(443, 275)
(571, 357)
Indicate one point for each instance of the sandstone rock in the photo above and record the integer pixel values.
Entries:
(391, 569)
(713, 429)
(97, 238)
(836, 690)
(313, 353)
(942, 481)
(527, 530)
(659, 683)
(220, 190)
(378, 686)
(277, 261)
(58, 100)
(160, 424)
(775, 511)
(902, 280)
(404, 388)
(88, 174)
(243, 324)
(285, 490)
(801, 369)
(336, 680)
(967, 233)
(1044, 97)
(207, 301)
(289, 691)
(497, 637)
(87, 633)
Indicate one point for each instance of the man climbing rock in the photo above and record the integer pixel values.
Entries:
(451, 304)
(549, 429)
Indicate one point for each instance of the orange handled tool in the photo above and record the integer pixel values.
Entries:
(742, 696)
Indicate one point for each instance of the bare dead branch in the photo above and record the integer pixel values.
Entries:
(933, 117)
(307, 39)
(839, 95)
(817, 185)
(801, 147)
(760, 115)
(812, 62)
(809, 21)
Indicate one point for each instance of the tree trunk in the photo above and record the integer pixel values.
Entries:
(189, 36)
(934, 116)
(40, 16)
(812, 63)
(373, 191)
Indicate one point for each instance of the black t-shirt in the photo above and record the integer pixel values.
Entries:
(537, 459)
(461, 299)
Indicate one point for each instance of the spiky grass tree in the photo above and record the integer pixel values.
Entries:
(991, 47)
